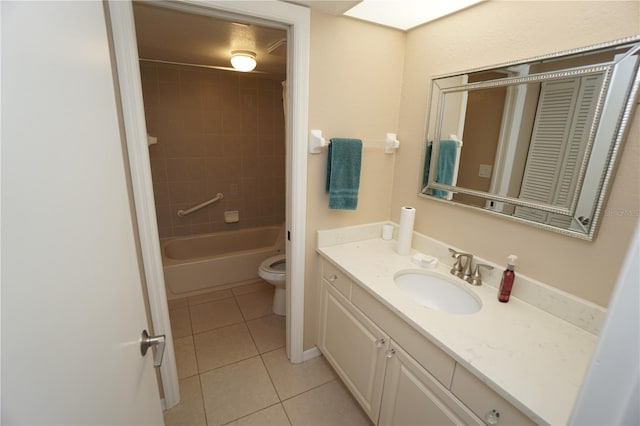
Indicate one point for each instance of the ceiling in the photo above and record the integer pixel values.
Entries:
(165, 34)
(168, 34)
(332, 7)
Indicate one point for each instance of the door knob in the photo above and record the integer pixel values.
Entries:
(148, 341)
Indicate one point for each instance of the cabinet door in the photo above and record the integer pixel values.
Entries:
(412, 396)
(355, 347)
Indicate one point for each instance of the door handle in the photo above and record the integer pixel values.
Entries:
(148, 341)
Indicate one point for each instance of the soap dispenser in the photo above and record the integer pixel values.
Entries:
(508, 276)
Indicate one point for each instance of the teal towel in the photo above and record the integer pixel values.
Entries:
(427, 165)
(446, 164)
(343, 173)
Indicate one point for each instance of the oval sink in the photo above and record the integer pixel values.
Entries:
(437, 292)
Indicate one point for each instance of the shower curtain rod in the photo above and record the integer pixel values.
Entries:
(186, 64)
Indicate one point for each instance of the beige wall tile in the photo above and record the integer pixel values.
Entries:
(205, 122)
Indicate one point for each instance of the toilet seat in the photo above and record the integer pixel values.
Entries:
(274, 264)
(273, 270)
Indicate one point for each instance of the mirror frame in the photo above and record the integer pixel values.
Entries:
(442, 85)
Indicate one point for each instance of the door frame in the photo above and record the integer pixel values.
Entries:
(296, 19)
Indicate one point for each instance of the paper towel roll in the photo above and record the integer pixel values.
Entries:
(405, 230)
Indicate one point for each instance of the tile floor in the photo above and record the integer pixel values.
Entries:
(233, 370)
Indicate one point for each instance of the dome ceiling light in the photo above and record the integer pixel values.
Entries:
(243, 60)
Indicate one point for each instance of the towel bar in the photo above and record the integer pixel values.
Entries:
(317, 142)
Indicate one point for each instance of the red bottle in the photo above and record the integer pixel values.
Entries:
(508, 276)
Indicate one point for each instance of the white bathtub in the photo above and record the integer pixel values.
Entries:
(201, 263)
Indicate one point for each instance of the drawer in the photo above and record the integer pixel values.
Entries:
(481, 399)
(428, 355)
(336, 278)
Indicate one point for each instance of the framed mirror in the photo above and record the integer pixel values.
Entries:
(535, 141)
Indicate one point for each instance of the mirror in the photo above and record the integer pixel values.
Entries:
(535, 141)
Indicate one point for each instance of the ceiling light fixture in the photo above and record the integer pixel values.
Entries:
(243, 60)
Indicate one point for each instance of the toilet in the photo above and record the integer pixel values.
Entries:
(273, 271)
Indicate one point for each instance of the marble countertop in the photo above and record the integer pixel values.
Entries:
(533, 359)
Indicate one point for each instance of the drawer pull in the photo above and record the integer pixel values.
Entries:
(333, 278)
(492, 417)
(381, 342)
(390, 353)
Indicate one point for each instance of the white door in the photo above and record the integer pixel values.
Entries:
(72, 305)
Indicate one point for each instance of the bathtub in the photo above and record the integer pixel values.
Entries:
(200, 263)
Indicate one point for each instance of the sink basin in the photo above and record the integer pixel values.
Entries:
(438, 292)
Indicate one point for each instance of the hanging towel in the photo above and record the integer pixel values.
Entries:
(448, 151)
(427, 165)
(343, 173)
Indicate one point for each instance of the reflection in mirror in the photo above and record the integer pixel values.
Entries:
(535, 141)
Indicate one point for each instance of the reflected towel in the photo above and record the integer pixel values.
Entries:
(343, 173)
(448, 151)
(427, 165)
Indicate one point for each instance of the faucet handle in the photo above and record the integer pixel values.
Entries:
(456, 268)
(476, 278)
(455, 253)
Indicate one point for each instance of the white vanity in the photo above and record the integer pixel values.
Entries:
(406, 364)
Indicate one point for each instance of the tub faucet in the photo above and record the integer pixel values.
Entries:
(458, 269)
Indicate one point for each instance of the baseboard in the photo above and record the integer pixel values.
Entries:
(311, 353)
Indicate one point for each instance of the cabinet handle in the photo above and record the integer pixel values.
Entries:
(333, 278)
(492, 417)
(390, 353)
(380, 342)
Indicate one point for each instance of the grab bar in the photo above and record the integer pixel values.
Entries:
(218, 197)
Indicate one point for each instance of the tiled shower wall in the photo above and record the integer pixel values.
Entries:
(218, 131)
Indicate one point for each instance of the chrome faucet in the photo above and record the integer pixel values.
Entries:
(458, 269)
(466, 270)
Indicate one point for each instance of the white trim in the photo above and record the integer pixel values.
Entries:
(126, 54)
(609, 391)
(314, 352)
(297, 20)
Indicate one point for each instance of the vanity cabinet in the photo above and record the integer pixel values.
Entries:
(412, 396)
(355, 347)
(397, 375)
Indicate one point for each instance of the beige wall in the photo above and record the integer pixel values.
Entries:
(217, 131)
(496, 32)
(355, 81)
